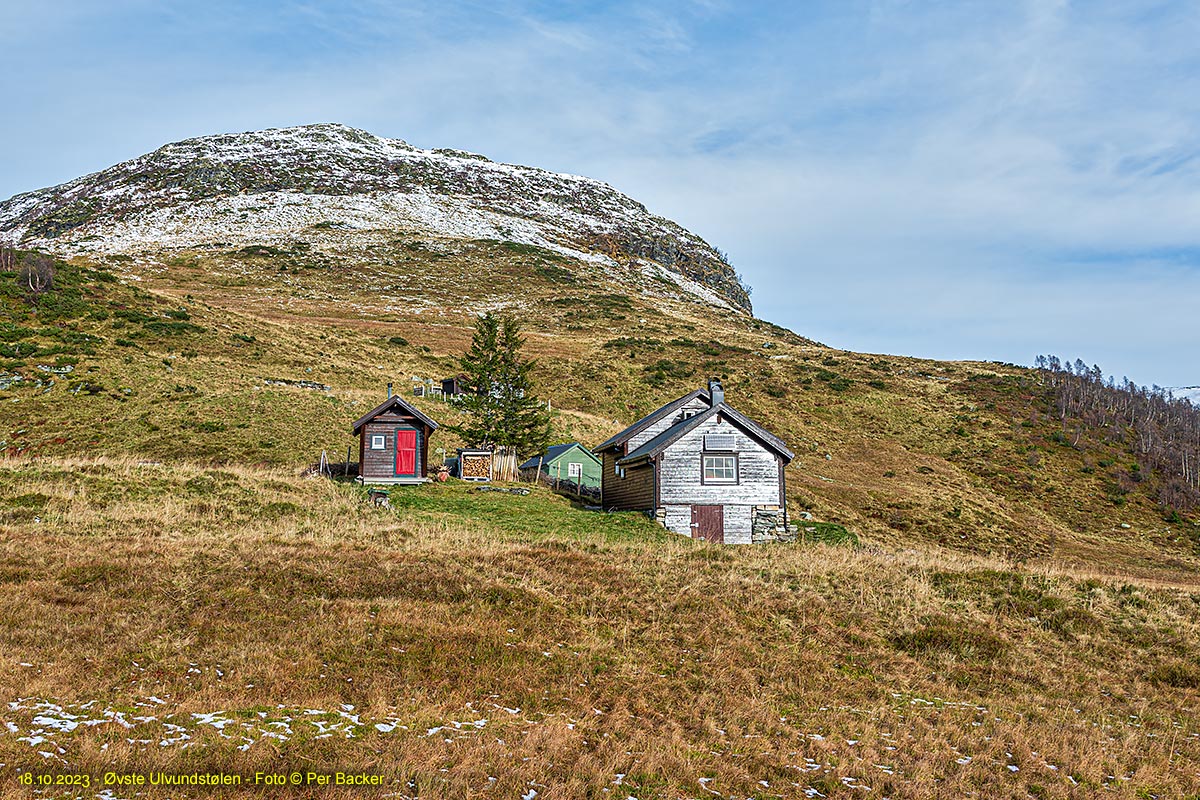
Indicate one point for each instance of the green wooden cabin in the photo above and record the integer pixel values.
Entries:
(566, 462)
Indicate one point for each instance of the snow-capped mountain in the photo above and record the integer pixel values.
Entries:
(1187, 393)
(268, 185)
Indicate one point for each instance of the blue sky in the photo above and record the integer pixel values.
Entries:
(953, 180)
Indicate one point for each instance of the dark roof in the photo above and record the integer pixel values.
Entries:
(651, 418)
(654, 446)
(387, 405)
(672, 434)
(553, 452)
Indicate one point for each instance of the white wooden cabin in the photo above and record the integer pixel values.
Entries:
(701, 468)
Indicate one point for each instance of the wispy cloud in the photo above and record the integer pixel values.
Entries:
(968, 179)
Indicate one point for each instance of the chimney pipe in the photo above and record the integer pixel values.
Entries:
(716, 392)
(389, 397)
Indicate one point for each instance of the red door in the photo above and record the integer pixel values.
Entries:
(406, 453)
(708, 522)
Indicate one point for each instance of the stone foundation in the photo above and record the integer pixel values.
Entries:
(766, 524)
(769, 526)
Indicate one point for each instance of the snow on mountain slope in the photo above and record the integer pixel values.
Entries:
(1187, 393)
(266, 185)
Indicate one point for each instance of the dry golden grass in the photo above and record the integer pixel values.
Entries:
(998, 616)
(603, 653)
(902, 450)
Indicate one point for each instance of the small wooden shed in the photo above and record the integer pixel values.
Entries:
(393, 443)
(566, 462)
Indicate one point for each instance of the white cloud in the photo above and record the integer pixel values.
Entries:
(889, 175)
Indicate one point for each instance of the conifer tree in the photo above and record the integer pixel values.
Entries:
(498, 393)
(480, 368)
(525, 425)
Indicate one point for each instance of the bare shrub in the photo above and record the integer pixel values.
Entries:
(37, 274)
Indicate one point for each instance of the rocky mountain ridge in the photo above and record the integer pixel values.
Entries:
(267, 186)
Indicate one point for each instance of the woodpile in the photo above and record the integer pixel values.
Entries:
(475, 465)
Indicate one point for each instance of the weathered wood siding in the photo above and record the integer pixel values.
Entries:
(678, 519)
(739, 521)
(639, 439)
(381, 464)
(634, 492)
(681, 485)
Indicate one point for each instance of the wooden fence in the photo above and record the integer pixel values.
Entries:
(566, 486)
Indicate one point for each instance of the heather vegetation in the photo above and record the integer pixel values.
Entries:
(187, 618)
(219, 358)
(988, 597)
(1161, 433)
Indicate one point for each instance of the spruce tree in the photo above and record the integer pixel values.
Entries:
(498, 393)
(525, 425)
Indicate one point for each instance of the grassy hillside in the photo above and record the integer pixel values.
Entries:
(460, 644)
(204, 356)
(175, 595)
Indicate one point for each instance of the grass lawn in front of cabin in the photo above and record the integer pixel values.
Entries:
(186, 618)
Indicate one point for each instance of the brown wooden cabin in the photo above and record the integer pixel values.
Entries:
(700, 468)
(393, 443)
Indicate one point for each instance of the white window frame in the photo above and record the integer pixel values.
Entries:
(378, 441)
(574, 469)
(724, 468)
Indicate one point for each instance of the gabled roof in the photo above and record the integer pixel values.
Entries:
(553, 452)
(659, 443)
(672, 434)
(393, 402)
(651, 418)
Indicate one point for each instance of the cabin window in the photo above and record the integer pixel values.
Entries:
(378, 441)
(574, 470)
(719, 468)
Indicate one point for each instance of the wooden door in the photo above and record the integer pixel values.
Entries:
(708, 522)
(406, 452)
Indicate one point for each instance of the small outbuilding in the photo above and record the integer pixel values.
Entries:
(393, 443)
(566, 462)
(701, 468)
(475, 465)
